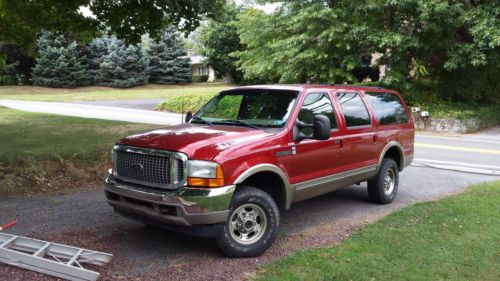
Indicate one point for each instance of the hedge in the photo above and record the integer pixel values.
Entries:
(184, 103)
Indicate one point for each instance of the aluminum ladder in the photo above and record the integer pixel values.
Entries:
(53, 259)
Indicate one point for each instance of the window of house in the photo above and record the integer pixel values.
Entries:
(203, 70)
(354, 110)
(388, 108)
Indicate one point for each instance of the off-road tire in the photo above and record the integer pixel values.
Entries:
(265, 206)
(378, 191)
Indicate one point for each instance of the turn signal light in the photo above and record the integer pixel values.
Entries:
(218, 181)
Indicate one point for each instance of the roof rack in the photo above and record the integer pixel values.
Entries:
(352, 86)
(355, 86)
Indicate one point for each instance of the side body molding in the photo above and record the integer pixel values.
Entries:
(388, 146)
(289, 192)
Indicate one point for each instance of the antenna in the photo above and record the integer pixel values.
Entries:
(182, 103)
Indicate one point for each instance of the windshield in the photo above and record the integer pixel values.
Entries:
(256, 108)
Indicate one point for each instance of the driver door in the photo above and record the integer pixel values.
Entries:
(316, 163)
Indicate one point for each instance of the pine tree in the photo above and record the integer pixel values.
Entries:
(59, 63)
(168, 61)
(115, 64)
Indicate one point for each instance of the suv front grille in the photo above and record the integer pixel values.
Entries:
(150, 169)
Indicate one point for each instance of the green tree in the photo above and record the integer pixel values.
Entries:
(113, 63)
(59, 63)
(220, 39)
(428, 44)
(168, 61)
(298, 43)
(21, 21)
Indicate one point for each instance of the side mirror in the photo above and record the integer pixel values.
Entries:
(189, 116)
(321, 128)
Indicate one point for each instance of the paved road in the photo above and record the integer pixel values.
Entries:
(148, 104)
(469, 153)
(94, 111)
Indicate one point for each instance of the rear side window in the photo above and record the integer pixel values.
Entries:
(388, 108)
(354, 110)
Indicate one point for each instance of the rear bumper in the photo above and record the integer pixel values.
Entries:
(185, 206)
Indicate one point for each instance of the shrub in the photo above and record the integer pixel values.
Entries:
(7, 72)
(184, 103)
(200, 78)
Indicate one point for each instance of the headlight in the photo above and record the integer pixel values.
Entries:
(205, 174)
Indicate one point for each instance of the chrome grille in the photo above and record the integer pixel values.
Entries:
(149, 167)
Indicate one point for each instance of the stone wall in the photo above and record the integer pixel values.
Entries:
(446, 124)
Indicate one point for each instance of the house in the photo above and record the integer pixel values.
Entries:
(198, 68)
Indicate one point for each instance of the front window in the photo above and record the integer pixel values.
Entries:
(316, 104)
(258, 108)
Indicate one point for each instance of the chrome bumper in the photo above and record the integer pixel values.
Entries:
(186, 206)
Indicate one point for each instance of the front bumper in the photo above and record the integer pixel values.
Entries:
(186, 206)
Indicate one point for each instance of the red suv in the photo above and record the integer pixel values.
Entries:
(251, 152)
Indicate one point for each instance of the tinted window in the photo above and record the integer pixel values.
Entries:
(388, 108)
(354, 109)
(316, 104)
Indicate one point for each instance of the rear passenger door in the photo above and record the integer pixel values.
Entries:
(360, 149)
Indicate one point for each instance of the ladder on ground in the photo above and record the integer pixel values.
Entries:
(54, 259)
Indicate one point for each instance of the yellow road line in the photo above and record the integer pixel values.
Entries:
(459, 148)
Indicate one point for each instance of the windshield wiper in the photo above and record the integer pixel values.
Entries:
(239, 122)
(201, 119)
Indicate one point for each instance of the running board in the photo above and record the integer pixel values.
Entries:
(53, 259)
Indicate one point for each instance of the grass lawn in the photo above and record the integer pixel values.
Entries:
(457, 238)
(40, 149)
(103, 93)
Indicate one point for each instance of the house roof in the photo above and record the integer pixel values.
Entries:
(196, 59)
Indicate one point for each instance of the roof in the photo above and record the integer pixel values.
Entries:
(298, 87)
(196, 59)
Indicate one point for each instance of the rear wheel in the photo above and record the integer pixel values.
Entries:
(252, 224)
(383, 188)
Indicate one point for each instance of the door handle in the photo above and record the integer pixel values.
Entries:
(338, 142)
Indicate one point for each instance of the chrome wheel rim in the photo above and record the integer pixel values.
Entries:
(389, 181)
(247, 224)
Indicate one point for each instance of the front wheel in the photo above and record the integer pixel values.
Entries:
(383, 188)
(252, 224)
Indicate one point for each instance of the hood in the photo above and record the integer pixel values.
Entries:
(197, 141)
